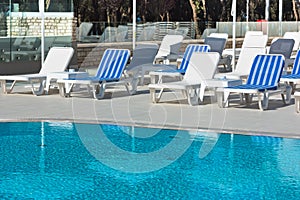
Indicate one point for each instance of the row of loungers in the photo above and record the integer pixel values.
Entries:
(197, 72)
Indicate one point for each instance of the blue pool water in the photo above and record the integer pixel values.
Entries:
(50, 160)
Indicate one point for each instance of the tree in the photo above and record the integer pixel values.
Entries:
(195, 9)
(295, 10)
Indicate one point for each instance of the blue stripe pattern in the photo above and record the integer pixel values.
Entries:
(112, 64)
(265, 73)
(190, 49)
(295, 74)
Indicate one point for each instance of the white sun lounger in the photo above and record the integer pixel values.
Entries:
(57, 60)
(202, 66)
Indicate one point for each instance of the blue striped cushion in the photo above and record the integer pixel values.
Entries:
(256, 87)
(188, 53)
(291, 76)
(112, 64)
(265, 73)
(296, 68)
(266, 70)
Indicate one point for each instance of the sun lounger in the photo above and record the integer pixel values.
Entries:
(57, 60)
(248, 53)
(190, 49)
(217, 44)
(202, 66)
(293, 78)
(262, 81)
(169, 48)
(109, 73)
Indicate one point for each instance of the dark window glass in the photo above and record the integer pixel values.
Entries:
(58, 6)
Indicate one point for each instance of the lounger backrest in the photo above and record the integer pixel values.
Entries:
(216, 44)
(295, 36)
(112, 64)
(246, 58)
(169, 45)
(296, 65)
(57, 60)
(147, 34)
(190, 49)
(256, 44)
(219, 35)
(282, 46)
(255, 41)
(266, 70)
(202, 66)
(143, 54)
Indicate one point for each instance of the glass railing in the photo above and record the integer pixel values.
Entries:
(101, 32)
(20, 32)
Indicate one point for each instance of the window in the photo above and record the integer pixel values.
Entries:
(58, 6)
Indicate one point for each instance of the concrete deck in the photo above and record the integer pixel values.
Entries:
(119, 108)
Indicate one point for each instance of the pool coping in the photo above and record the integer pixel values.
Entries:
(157, 126)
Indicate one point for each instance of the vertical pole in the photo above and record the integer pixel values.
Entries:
(233, 14)
(247, 13)
(267, 15)
(133, 23)
(280, 16)
(267, 10)
(42, 13)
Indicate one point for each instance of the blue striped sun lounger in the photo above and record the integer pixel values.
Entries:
(263, 81)
(294, 77)
(109, 72)
(190, 49)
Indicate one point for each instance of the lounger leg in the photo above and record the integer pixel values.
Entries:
(62, 90)
(297, 103)
(225, 98)
(153, 95)
(4, 88)
(98, 93)
(38, 91)
(288, 92)
(3, 85)
(193, 97)
(134, 82)
(248, 98)
(202, 91)
(263, 100)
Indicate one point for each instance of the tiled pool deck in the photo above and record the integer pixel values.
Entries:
(118, 107)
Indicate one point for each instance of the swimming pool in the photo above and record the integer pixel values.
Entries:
(51, 160)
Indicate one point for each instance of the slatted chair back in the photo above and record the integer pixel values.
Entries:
(112, 64)
(190, 49)
(282, 46)
(266, 70)
(296, 66)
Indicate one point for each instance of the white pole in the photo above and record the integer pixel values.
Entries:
(267, 10)
(280, 16)
(247, 13)
(267, 15)
(233, 14)
(133, 23)
(42, 13)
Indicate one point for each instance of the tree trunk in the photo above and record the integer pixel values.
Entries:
(194, 9)
(295, 10)
(168, 16)
(204, 10)
(47, 4)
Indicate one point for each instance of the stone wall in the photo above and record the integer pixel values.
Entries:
(30, 26)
